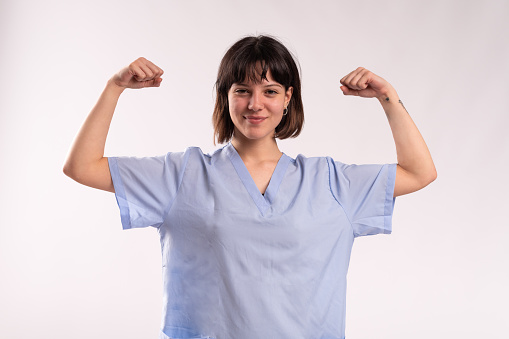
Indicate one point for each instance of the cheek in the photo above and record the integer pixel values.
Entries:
(231, 108)
(277, 107)
(235, 105)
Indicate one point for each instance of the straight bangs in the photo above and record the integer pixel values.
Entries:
(251, 64)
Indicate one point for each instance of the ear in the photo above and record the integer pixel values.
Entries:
(288, 95)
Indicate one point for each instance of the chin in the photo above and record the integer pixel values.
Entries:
(258, 136)
(254, 133)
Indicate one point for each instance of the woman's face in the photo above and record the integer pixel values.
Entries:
(256, 109)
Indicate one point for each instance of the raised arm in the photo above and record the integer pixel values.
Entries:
(85, 162)
(415, 166)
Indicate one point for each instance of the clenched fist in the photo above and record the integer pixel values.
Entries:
(139, 74)
(364, 83)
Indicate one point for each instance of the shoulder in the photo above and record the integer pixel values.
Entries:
(193, 153)
(311, 166)
(313, 162)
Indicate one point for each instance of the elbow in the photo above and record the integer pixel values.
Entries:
(430, 176)
(72, 170)
(68, 170)
(412, 182)
(434, 175)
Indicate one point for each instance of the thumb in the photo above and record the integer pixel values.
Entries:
(152, 83)
(348, 91)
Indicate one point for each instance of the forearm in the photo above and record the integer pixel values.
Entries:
(87, 152)
(415, 164)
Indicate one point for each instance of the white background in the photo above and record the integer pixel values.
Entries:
(66, 268)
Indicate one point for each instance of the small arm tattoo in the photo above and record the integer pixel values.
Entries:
(401, 102)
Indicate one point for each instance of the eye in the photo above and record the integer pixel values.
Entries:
(271, 92)
(241, 91)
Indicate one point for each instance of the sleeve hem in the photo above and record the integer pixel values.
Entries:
(389, 199)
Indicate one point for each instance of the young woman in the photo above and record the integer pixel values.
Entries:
(255, 244)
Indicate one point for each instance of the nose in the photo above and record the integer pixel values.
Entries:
(255, 102)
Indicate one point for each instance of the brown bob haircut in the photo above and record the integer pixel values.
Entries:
(242, 62)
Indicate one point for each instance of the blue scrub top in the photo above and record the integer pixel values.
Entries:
(239, 264)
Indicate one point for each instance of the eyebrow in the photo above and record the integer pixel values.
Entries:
(267, 85)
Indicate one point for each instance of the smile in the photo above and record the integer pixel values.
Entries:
(255, 119)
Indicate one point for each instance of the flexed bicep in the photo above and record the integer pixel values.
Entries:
(86, 162)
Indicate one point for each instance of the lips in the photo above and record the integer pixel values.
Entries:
(255, 119)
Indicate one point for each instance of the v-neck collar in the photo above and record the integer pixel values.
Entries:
(262, 201)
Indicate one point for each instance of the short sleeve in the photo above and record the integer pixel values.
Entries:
(146, 187)
(366, 194)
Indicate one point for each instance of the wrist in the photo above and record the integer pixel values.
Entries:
(390, 97)
(113, 88)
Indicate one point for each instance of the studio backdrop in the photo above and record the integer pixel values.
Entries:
(68, 270)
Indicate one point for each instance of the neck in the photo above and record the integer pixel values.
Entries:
(257, 150)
